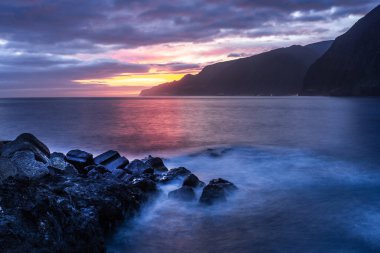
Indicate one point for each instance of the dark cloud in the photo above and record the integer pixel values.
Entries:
(28, 71)
(83, 25)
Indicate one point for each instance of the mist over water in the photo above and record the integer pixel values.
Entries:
(288, 201)
(307, 168)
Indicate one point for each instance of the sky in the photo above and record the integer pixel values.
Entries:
(84, 48)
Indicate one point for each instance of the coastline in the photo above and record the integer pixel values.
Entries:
(52, 202)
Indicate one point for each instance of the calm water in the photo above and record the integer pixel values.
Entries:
(307, 168)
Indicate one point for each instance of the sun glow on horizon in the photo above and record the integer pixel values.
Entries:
(145, 79)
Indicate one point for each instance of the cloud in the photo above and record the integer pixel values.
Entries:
(48, 44)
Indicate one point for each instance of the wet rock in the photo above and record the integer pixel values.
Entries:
(106, 157)
(7, 169)
(148, 171)
(174, 174)
(53, 214)
(97, 169)
(193, 181)
(80, 159)
(58, 161)
(156, 163)
(144, 184)
(27, 165)
(185, 193)
(119, 163)
(216, 190)
(26, 142)
(138, 167)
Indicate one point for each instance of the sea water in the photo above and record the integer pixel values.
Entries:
(307, 168)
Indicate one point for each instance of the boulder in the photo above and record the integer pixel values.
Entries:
(185, 193)
(106, 157)
(7, 168)
(138, 167)
(117, 164)
(217, 190)
(28, 166)
(144, 184)
(58, 161)
(155, 163)
(174, 174)
(96, 170)
(79, 159)
(193, 181)
(26, 142)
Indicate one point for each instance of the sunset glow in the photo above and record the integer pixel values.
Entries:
(108, 45)
(148, 80)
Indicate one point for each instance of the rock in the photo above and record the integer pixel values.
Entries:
(58, 161)
(106, 157)
(138, 167)
(175, 173)
(79, 159)
(216, 190)
(7, 168)
(148, 171)
(156, 163)
(185, 193)
(28, 166)
(54, 214)
(119, 163)
(26, 142)
(193, 181)
(144, 184)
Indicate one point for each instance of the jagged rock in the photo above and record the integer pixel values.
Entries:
(106, 157)
(54, 214)
(79, 159)
(138, 167)
(216, 190)
(175, 173)
(156, 163)
(193, 181)
(148, 171)
(26, 142)
(185, 193)
(7, 168)
(28, 166)
(57, 160)
(144, 184)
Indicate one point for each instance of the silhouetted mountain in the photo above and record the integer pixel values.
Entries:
(277, 72)
(351, 67)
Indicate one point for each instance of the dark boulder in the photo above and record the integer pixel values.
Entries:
(28, 166)
(106, 157)
(54, 214)
(216, 190)
(193, 181)
(138, 167)
(185, 193)
(79, 159)
(26, 142)
(156, 163)
(7, 169)
(174, 174)
(119, 163)
(144, 184)
(58, 161)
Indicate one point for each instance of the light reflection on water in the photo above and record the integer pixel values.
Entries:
(307, 168)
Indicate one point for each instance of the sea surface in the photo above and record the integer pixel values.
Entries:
(307, 168)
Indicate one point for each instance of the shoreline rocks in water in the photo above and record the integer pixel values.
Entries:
(51, 202)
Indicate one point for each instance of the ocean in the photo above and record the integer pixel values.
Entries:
(307, 168)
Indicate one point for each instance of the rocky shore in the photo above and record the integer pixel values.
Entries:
(52, 202)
